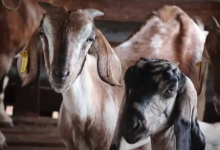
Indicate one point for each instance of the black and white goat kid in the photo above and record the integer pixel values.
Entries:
(160, 102)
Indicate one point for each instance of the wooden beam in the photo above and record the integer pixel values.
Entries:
(33, 148)
(137, 11)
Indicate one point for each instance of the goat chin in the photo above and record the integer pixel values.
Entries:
(210, 131)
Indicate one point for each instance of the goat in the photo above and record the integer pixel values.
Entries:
(169, 33)
(16, 29)
(160, 102)
(210, 56)
(88, 114)
(83, 67)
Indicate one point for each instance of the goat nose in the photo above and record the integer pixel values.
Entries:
(61, 73)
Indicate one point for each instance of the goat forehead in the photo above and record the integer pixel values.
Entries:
(152, 73)
(75, 27)
(80, 29)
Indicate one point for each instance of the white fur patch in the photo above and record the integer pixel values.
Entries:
(50, 33)
(141, 63)
(137, 106)
(77, 98)
(2, 95)
(5, 82)
(126, 44)
(111, 114)
(156, 42)
(78, 38)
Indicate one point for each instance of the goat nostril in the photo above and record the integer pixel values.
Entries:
(136, 125)
(59, 73)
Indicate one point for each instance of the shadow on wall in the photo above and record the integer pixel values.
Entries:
(210, 114)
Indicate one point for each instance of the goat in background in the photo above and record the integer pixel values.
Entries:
(17, 26)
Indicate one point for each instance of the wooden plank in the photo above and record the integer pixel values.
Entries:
(137, 10)
(34, 120)
(47, 139)
(32, 136)
(33, 148)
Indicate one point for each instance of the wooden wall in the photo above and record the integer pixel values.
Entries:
(123, 17)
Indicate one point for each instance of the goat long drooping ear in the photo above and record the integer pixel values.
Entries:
(109, 65)
(28, 69)
(186, 127)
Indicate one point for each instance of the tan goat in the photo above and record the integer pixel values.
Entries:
(17, 27)
(78, 59)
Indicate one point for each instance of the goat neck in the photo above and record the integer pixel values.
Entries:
(92, 109)
(165, 140)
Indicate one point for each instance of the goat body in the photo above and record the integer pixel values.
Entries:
(16, 29)
(170, 34)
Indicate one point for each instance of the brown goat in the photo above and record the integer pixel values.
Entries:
(211, 56)
(16, 29)
(82, 66)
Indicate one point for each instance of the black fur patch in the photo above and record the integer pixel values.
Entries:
(1, 84)
(113, 147)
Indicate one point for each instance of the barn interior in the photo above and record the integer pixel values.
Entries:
(34, 108)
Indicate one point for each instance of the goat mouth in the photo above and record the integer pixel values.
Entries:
(133, 138)
(59, 88)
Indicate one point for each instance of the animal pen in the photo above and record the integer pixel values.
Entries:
(34, 108)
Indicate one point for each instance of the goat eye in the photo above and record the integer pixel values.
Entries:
(90, 39)
(41, 33)
(170, 90)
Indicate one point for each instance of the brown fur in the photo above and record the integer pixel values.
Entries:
(16, 29)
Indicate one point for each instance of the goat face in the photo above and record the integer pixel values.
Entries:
(157, 96)
(211, 56)
(66, 38)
